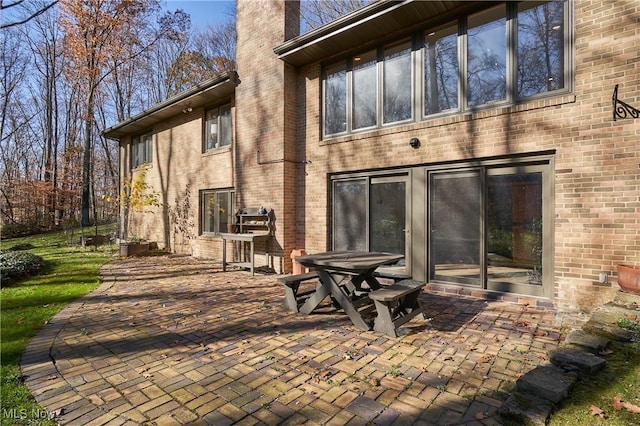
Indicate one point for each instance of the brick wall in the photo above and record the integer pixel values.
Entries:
(266, 116)
(597, 160)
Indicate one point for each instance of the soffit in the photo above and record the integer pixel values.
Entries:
(217, 88)
(378, 21)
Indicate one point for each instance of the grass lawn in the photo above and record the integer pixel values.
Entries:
(70, 271)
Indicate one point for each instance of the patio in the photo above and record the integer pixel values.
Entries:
(175, 340)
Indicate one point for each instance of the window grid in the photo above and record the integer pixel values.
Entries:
(217, 128)
(217, 210)
(142, 150)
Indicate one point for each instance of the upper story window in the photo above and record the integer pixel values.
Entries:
(397, 83)
(541, 47)
(487, 57)
(506, 54)
(141, 149)
(441, 70)
(217, 128)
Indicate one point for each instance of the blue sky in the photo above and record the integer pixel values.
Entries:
(203, 12)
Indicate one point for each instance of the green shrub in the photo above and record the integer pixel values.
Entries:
(15, 265)
(13, 230)
(23, 246)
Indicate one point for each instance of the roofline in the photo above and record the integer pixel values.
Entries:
(230, 76)
(341, 24)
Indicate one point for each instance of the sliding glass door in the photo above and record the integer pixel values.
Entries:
(490, 227)
(370, 213)
(456, 223)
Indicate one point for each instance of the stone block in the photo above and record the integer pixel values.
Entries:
(548, 382)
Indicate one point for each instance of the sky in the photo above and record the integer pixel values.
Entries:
(203, 12)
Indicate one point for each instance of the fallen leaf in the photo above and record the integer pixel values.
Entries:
(619, 404)
(605, 352)
(324, 374)
(486, 358)
(480, 415)
(374, 382)
(596, 411)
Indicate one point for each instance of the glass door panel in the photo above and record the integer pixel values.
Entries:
(388, 216)
(455, 201)
(514, 229)
(350, 214)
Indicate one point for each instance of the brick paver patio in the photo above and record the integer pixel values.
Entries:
(174, 340)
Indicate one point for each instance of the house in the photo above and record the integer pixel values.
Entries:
(482, 140)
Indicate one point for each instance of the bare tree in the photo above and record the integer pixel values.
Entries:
(20, 12)
(97, 33)
(315, 13)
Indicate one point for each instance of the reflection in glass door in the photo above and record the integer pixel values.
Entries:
(456, 222)
(388, 215)
(514, 229)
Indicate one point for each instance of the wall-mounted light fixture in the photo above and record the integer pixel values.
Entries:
(187, 109)
(414, 142)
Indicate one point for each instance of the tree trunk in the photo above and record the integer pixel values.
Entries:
(86, 162)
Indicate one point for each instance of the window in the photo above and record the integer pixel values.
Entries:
(541, 63)
(441, 70)
(335, 100)
(505, 54)
(365, 91)
(217, 209)
(141, 149)
(397, 83)
(487, 57)
(217, 131)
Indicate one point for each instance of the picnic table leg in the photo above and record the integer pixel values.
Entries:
(315, 299)
(344, 301)
(251, 260)
(384, 322)
(224, 255)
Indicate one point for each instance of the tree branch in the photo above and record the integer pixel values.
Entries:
(24, 21)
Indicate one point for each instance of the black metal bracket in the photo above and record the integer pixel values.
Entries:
(622, 109)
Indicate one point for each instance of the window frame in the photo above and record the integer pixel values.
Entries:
(207, 144)
(417, 42)
(205, 194)
(142, 141)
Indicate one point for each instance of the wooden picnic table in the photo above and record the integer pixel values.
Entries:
(336, 267)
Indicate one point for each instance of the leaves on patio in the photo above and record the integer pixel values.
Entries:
(144, 372)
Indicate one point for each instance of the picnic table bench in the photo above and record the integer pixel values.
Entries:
(396, 304)
(294, 299)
